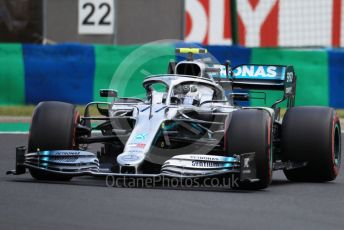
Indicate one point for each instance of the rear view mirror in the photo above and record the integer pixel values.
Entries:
(108, 93)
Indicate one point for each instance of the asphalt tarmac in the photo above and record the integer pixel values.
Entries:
(87, 203)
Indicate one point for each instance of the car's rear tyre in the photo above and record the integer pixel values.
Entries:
(250, 131)
(312, 135)
(53, 127)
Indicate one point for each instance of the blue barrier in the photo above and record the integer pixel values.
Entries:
(59, 72)
(336, 78)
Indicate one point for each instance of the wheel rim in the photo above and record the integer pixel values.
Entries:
(337, 146)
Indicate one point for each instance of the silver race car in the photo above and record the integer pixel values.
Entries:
(190, 125)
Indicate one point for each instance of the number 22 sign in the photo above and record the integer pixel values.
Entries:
(96, 16)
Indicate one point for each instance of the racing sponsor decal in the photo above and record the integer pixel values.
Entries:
(290, 76)
(288, 90)
(129, 157)
(67, 153)
(140, 145)
(140, 137)
(248, 166)
(58, 153)
(205, 158)
(137, 145)
(197, 164)
(60, 156)
(206, 164)
(289, 85)
(246, 162)
(259, 72)
(66, 156)
(134, 151)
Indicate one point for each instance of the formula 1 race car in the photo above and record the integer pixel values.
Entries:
(189, 125)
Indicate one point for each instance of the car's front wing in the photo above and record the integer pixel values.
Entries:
(79, 163)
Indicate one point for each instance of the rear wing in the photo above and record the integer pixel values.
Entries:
(269, 77)
(262, 77)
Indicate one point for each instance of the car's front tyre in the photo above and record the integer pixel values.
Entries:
(53, 127)
(250, 131)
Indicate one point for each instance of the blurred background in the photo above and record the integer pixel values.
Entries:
(67, 50)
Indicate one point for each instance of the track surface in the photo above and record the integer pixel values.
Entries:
(86, 203)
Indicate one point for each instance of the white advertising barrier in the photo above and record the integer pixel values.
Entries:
(267, 22)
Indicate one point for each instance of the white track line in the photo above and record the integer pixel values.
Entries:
(15, 132)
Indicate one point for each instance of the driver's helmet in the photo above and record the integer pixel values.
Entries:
(178, 90)
(186, 89)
